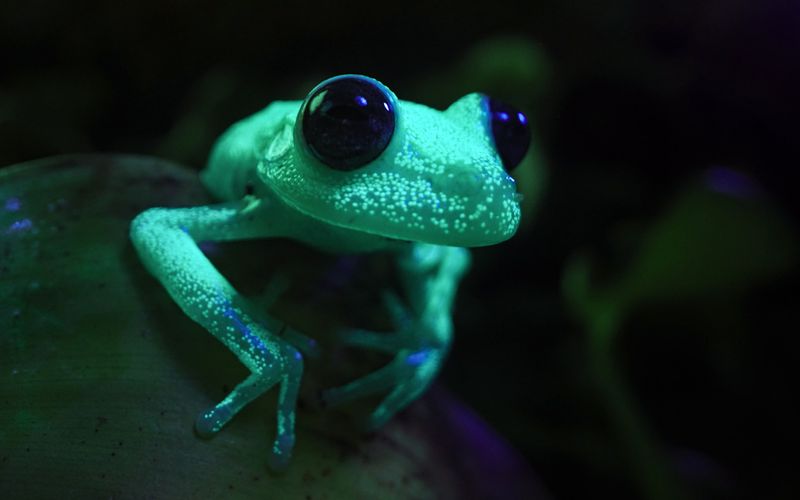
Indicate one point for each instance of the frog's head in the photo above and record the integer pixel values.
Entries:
(355, 156)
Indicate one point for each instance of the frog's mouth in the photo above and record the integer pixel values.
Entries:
(395, 240)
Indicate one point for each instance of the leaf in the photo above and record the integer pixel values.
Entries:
(716, 240)
(101, 375)
(712, 240)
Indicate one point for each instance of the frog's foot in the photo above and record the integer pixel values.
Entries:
(400, 397)
(377, 381)
(389, 342)
(406, 377)
(419, 348)
(210, 422)
(288, 373)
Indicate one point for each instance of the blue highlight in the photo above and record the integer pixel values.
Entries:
(20, 225)
(417, 358)
(230, 313)
(13, 204)
(361, 100)
(510, 132)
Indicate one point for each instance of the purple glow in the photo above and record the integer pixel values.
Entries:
(728, 181)
(361, 101)
(20, 225)
(208, 247)
(503, 116)
(487, 465)
(522, 118)
(491, 448)
(13, 204)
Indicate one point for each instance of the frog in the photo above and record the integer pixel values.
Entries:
(350, 169)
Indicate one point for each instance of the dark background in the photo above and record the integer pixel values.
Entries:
(631, 102)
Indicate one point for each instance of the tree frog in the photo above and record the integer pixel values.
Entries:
(349, 169)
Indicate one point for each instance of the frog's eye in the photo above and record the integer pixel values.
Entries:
(511, 134)
(347, 121)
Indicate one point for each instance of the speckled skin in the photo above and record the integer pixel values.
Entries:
(438, 186)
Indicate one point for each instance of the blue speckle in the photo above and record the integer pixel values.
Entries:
(13, 204)
(230, 313)
(361, 100)
(20, 225)
(417, 358)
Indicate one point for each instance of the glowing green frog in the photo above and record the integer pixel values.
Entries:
(349, 169)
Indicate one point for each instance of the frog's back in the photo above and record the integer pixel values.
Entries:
(231, 170)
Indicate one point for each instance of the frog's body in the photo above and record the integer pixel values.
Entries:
(433, 185)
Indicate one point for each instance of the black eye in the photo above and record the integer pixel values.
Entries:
(347, 121)
(512, 137)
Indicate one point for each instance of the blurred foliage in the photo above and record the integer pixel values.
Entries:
(713, 243)
(635, 106)
(709, 245)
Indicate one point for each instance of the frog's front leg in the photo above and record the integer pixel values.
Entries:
(423, 332)
(166, 240)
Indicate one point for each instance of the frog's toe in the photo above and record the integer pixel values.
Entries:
(397, 400)
(387, 342)
(375, 382)
(210, 422)
(398, 312)
(281, 452)
(378, 418)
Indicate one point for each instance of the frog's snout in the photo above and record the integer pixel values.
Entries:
(477, 205)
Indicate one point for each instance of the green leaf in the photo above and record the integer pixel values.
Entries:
(711, 243)
(101, 375)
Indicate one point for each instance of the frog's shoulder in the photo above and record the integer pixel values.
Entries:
(231, 169)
